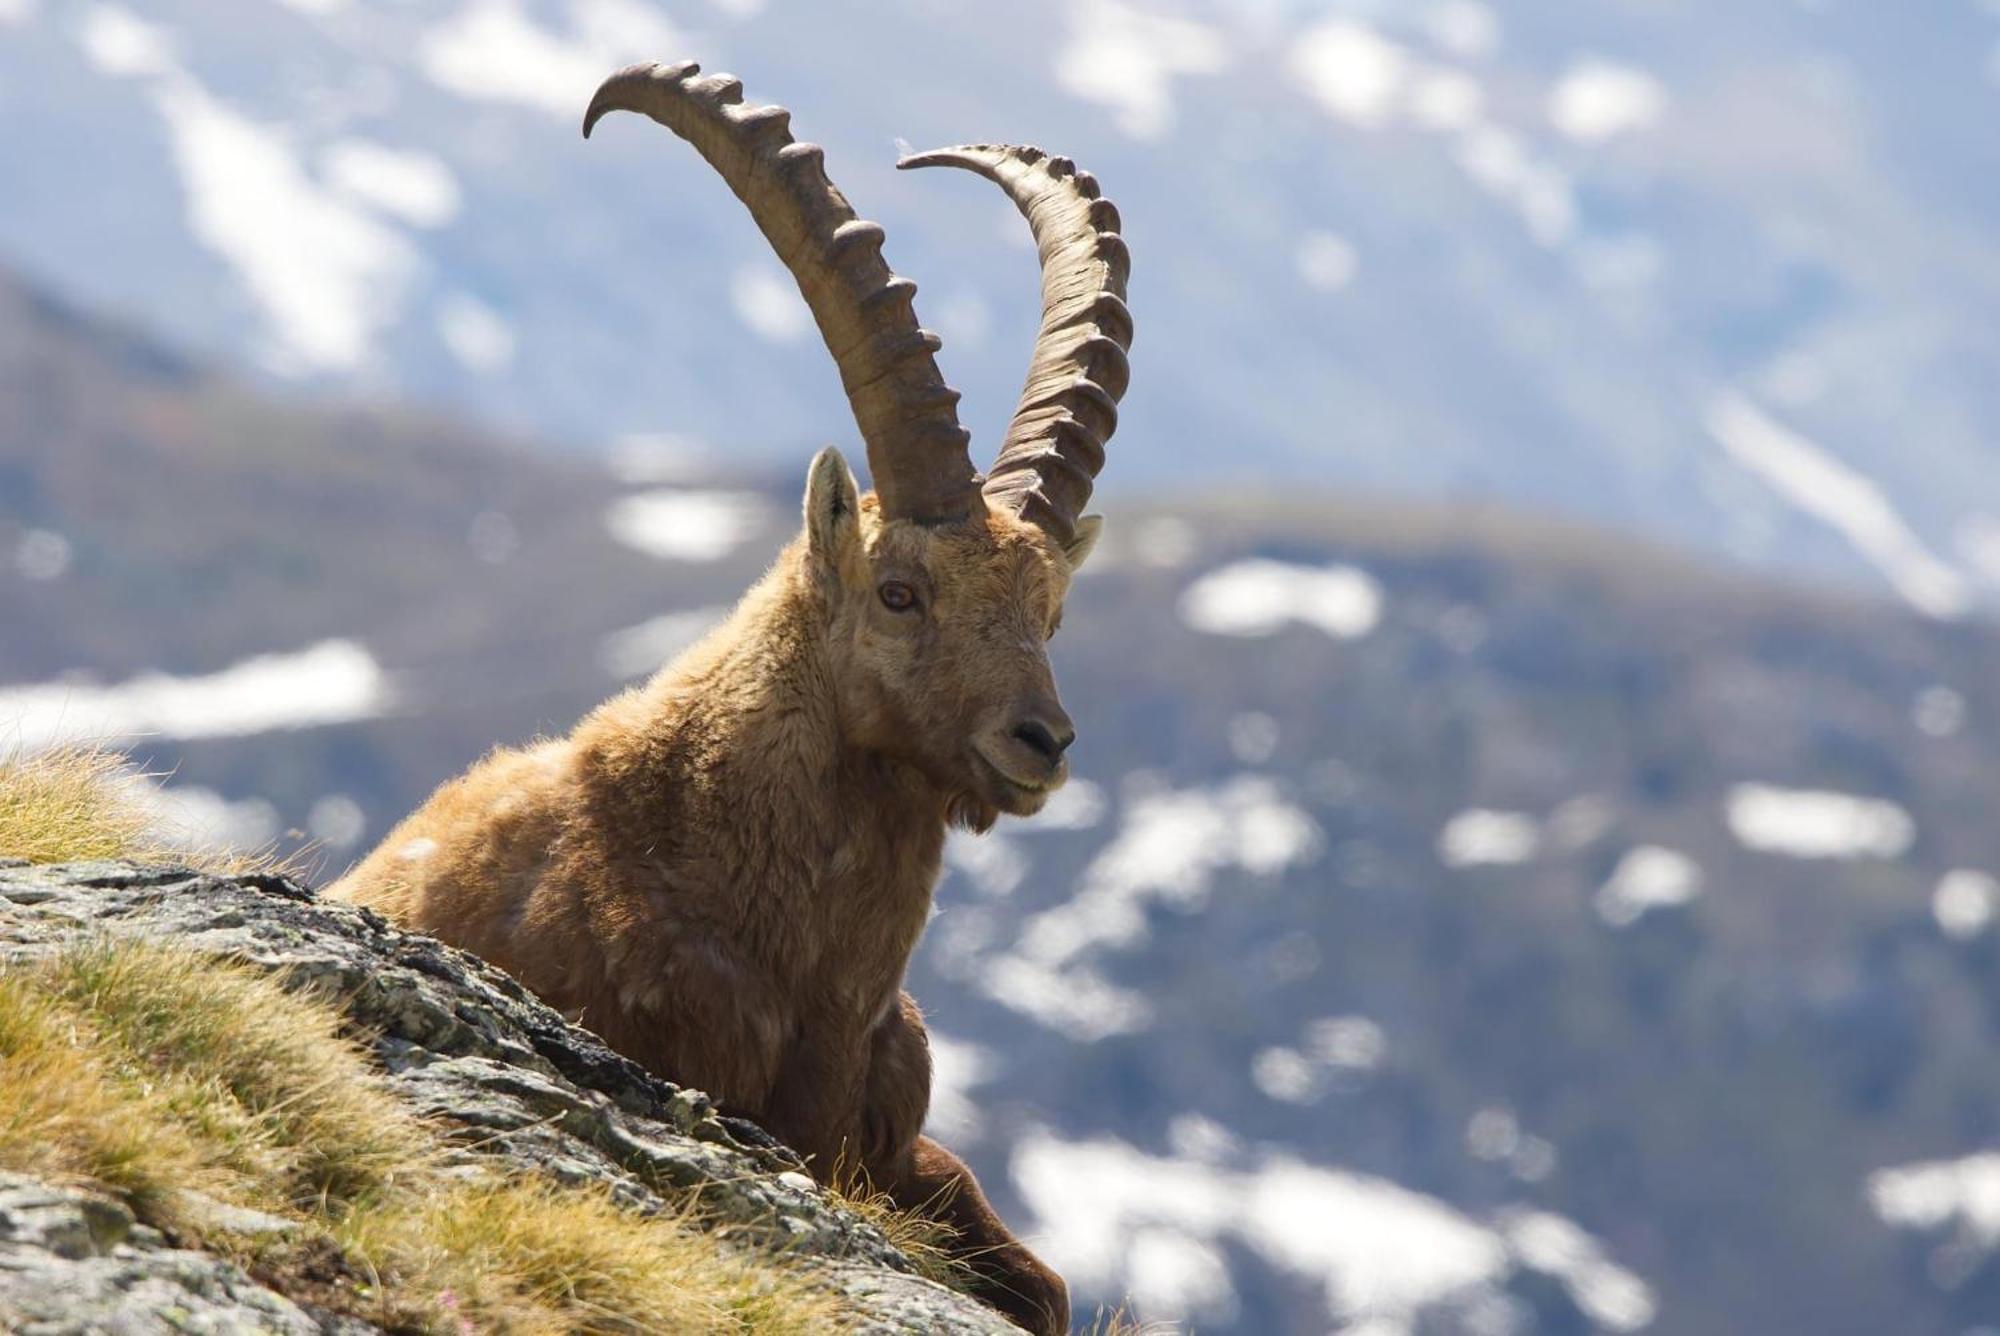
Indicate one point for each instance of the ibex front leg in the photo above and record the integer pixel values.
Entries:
(923, 1176)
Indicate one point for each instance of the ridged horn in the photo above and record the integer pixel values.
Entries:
(1069, 408)
(908, 416)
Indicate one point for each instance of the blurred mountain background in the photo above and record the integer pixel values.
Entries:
(1531, 865)
(1719, 273)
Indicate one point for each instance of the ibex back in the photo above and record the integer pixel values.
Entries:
(724, 872)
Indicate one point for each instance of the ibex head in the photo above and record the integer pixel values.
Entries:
(943, 587)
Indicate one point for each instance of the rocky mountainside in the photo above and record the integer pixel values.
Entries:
(1458, 921)
(528, 1093)
(1720, 273)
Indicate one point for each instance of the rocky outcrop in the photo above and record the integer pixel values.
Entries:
(462, 1042)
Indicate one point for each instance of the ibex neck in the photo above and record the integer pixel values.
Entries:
(725, 780)
(749, 718)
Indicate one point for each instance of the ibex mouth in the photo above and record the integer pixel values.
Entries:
(1012, 794)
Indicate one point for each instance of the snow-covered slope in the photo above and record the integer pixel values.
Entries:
(1721, 272)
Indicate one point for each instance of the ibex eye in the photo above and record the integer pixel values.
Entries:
(897, 596)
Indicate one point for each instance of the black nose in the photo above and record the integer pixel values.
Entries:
(1051, 743)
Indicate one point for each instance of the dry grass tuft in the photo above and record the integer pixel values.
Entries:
(263, 1075)
(72, 804)
(146, 1071)
(68, 1117)
(77, 802)
(1120, 1321)
(926, 1241)
(153, 1074)
(539, 1260)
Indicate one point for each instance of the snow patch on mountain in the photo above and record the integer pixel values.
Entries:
(1169, 850)
(1384, 1257)
(1077, 805)
(686, 525)
(495, 51)
(1077, 1003)
(1816, 823)
(1935, 1194)
(1353, 71)
(326, 274)
(958, 1067)
(1363, 79)
(407, 184)
(1647, 878)
(1608, 1294)
(993, 863)
(120, 43)
(1260, 598)
(336, 681)
(1599, 100)
(1502, 163)
(1333, 1053)
(1965, 902)
(1126, 57)
(1840, 497)
(1480, 836)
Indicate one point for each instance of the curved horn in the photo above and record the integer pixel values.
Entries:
(908, 416)
(1055, 444)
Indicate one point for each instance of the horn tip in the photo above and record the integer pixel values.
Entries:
(973, 156)
(936, 157)
(611, 94)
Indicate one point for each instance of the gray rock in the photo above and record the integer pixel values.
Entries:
(462, 1042)
(71, 1262)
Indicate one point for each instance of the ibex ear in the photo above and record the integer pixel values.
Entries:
(833, 509)
(1088, 530)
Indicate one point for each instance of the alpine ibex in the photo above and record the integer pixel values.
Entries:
(724, 872)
